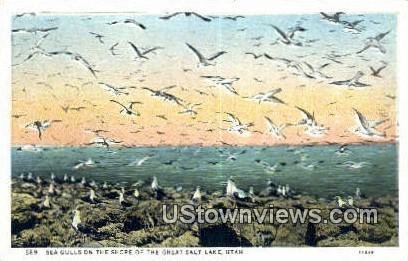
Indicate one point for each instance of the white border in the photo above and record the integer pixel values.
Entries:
(214, 7)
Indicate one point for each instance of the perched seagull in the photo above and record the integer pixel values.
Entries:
(41, 126)
(376, 72)
(236, 124)
(197, 195)
(157, 190)
(223, 82)
(234, 192)
(128, 109)
(267, 97)
(84, 228)
(312, 127)
(375, 42)
(355, 81)
(350, 201)
(276, 130)
(97, 36)
(84, 164)
(340, 202)
(187, 14)
(115, 90)
(288, 37)
(165, 95)
(142, 54)
(334, 18)
(204, 61)
(190, 109)
(367, 128)
(128, 21)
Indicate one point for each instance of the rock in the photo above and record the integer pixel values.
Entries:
(220, 235)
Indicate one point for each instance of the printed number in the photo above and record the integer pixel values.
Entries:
(366, 252)
(31, 252)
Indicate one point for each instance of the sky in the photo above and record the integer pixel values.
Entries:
(175, 64)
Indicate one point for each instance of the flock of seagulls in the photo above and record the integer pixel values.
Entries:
(294, 36)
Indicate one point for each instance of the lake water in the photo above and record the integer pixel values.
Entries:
(207, 167)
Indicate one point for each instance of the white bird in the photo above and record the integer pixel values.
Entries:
(312, 127)
(114, 90)
(51, 188)
(350, 201)
(267, 96)
(276, 130)
(46, 202)
(139, 162)
(136, 193)
(190, 109)
(73, 179)
(375, 42)
(225, 83)
(233, 191)
(65, 177)
(76, 219)
(358, 193)
(353, 82)
(142, 54)
(340, 202)
(40, 126)
(202, 60)
(367, 128)
(334, 18)
(84, 164)
(236, 126)
(355, 165)
(197, 195)
(288, 37)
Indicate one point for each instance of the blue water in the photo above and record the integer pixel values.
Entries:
(191, 168)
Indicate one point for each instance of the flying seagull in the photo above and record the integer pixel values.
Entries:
(165, 95)
(41, 126)
(236, 125)
(367, 128)
(267, 97)
(115, 90)
(128, 21)
(203, 61)
(128, 109)
(332, 18)
(288, 37)
(276, 130)
(142, 53)
(190, 109)
(97, 36)
(312, 127)
(376, 72)
(375, 42)
(223, 82)
(33, 30)
(112, 49)
(355, 81)
(187, 14)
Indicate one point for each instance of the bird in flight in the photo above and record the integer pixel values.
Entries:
(128, 21)
(97, 36)
(367, 128)
(353, 82)
(41, 126)
(376, 72)
(187, 14)
(288, 37)
(267, 97)
(236, 125)
(312, 127)
(276, 130)
(375, 42)
(332, 18)
(142, 53)
(202, 60)
(165, 95)
(128, 109)
(226, 83)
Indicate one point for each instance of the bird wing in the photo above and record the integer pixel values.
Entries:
(135, 49)
(381, 35)
(201, 58)
(269, 123)
(364, 49)
(281, 33)
(361, 119)
(273, 92)
(216, 55)
(233, 119)
(119, 104)
(340, 82)
(152, 49)
(201, 17)
(305, 113)
(166, 17)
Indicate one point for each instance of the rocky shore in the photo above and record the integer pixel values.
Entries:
(140, 222)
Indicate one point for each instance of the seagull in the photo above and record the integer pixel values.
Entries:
(355, 81)
(312, 127)
(41, 126)
(255, 56)
(267, 166)
(128, 109)
(355, 165)
(84, 164)
(343, 150)
(190, 109)
(315, 72)
(350, 201)
(197, 195)
(234, 18)
(139, 162)
(236, 124)
(165, 95)
(267, 97)
(334, 18)
(223, 82)
(115, 90)
(142, 54)
(128, 21)
(374, 42)
(36, 50)
(276, 130)
(340, 202)
(203, 61)
(157, 190)
(33, 30)
(46, 203)
(84, 228)
(288, 63)
(234, 192)
(103, 141)
(122, 201)
(288, 37)
(367, 128)
(97, 36)
(376, 72)
(352, 26)
(187, 14)
(112, 49)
